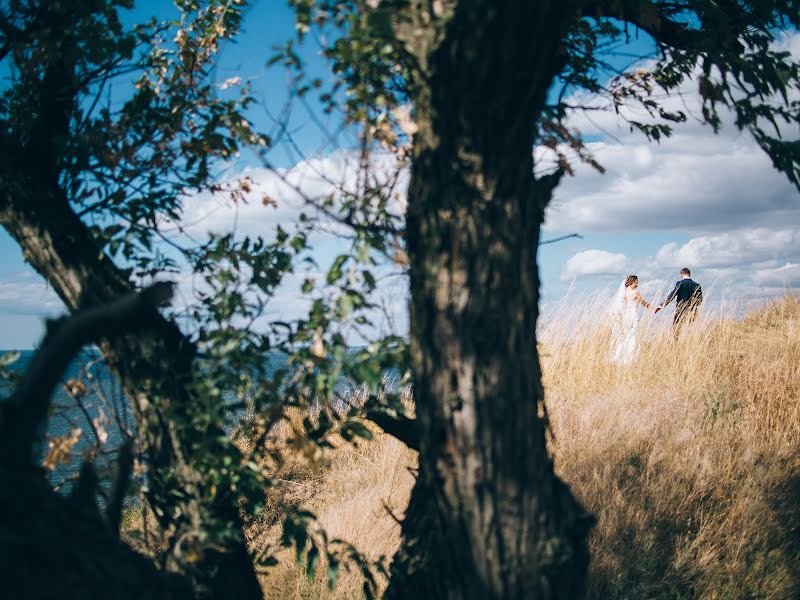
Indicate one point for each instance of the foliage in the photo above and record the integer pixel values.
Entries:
(730, 49)
(126, 122)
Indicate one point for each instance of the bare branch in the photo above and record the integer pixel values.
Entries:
(561, 238)
(647, 16)
(24, 412)
(119, 486)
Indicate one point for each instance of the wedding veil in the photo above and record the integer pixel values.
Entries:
(617, 306)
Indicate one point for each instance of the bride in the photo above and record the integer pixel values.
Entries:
(625, 321)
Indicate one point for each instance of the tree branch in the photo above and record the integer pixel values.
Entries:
(24, 412)
(403, 428)
(561, 238)
(646, 15)
(119, 486)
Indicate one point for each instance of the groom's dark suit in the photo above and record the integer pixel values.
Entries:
(689, 295)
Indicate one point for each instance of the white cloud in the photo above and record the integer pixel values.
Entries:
(724, 182)
(786, 276)
(26, 294)
(291, 190)
(732, 249)
(692, 181)
(594, 262)
(757, 262)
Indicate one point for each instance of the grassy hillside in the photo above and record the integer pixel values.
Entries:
(688, 458)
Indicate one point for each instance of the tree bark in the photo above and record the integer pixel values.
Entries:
(488, 517)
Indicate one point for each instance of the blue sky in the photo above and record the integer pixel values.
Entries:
(713, 203)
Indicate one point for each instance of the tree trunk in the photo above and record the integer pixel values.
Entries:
(488, 517)
(155, 368)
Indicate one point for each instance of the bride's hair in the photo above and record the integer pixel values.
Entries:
(630, 280)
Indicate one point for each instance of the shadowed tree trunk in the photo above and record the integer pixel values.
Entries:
(488, 517)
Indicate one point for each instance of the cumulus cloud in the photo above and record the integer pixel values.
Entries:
(786, 277)
(726, 181)
(594, 262)
(692, 181)
(748, 261)
(278, 196)
(26, 294)
(732, 249)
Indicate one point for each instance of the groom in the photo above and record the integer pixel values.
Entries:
(689, 295)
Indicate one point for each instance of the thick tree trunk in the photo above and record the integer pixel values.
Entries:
(155, 368)
(488, 517)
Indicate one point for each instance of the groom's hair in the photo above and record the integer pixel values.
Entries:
(685, 271)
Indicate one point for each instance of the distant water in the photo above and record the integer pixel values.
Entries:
(104, 406)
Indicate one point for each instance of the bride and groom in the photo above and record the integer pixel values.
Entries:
(625, 313)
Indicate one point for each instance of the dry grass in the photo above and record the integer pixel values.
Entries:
(354, 496)
(688, 458)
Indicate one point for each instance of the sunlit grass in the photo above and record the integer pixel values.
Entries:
(688, 457)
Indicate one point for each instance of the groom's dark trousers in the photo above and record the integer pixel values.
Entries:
(685, 313)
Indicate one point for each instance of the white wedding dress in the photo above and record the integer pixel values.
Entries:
(624, 324)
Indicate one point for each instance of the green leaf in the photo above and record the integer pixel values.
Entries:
(369, 280)
(335, 272)
(345, 304)
(311, 562)
(333, 572)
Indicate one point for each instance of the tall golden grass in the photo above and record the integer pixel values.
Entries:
(688, 458)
